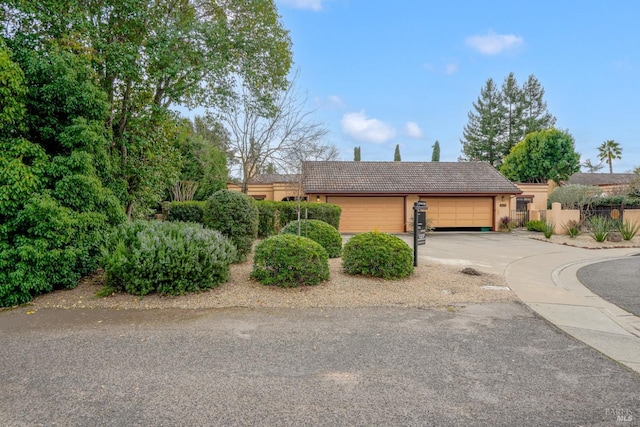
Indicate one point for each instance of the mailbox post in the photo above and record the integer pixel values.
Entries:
(419, 228)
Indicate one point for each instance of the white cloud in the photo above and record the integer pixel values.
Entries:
(314, 5)
(361, 128)
(413, 130)
(492, 43)
(334, 101)
(451, 68)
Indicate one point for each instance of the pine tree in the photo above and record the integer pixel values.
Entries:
(513, 100)
(483, 133)
(356, 154)
(396, 156)
(435, 155)
(535, 116)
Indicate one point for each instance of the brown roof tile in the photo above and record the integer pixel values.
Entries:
(405, 177)
(600, 178)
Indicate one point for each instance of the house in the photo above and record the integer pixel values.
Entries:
(610, 183)
(272, 186)
(380, 195)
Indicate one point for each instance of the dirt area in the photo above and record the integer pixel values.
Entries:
(431, 285)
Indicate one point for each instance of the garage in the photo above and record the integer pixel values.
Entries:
(361, 214)
(460, 212)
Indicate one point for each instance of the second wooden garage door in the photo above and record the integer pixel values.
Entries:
(361, 214)
(460, 211)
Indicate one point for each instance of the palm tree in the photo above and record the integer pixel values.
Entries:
(608, 151)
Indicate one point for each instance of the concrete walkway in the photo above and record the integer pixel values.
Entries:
(544, 276)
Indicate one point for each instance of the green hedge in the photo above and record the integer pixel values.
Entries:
(318, 231)
(377, 254)
(287, 260)
(168, 258)
(191, 211)
(274, 215)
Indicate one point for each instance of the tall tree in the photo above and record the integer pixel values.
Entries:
(535, 116)
(608, 151)
(151, 55)
(435, 155)
(396, 155)
(282, 135)
(512, 99)
(590, 167)
(356, 154)
(545, 155)
(483, 134)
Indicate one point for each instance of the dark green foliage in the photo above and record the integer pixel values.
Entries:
(192, 211)
(435, 154)
(47, 246)
(168, 258)
(535, 225)
(287, 260)
(318, 231)
(274, 214)
(236, 216)
(356, 154)
(396, 154)
(377, 254)
(616, 201)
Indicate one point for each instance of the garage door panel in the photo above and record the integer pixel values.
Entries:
(460, 211)
(361, 214)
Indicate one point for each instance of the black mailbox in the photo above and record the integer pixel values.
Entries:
(419, 228)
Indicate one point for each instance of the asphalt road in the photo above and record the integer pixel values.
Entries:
(483, 365)
(616, 280)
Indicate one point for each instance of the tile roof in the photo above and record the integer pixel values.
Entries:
(601, 178)
(405, 178)
(272, 178)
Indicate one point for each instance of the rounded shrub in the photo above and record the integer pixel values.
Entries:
(379, 255)
(168, 258)
(287, 260)
(236, 216)
(320, 232)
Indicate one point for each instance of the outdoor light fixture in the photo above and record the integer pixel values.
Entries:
(318, 198)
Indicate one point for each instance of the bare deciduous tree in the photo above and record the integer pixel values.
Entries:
(284, 135)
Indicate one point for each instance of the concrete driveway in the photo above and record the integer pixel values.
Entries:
(482, 365)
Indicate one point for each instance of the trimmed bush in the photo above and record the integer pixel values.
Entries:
(236, 216)
(535, 225)
(287, 260)
(191, 211)
(273, 214)
(168, 258)
(320, 232)
(377, 254)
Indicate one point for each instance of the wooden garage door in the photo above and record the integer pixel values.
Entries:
(460, 211)
(360, 214)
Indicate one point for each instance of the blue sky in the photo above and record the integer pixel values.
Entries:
(380, 73)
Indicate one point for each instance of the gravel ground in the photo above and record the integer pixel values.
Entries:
(431, 285)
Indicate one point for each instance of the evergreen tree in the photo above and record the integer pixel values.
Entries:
(356, 154)
(483, 133)
(396, 156)
(513, 100)
(608, 151)
(535, 116)
(435, 155)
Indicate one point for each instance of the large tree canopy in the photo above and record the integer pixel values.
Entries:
(545, 155)
(502, 117)
(148, 56)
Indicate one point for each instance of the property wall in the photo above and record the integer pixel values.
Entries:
(275, 191)
(560, 217)
(632, 215)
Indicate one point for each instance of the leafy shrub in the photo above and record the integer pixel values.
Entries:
(320, 232)
(600, 227)
(575, 196)
(168, 258)
(535, 225)
(191, 211)
(236, 216)
(377, 254)
(548, 229)
(287, 260)
(273, 214)
(572, 228)
(628, 229)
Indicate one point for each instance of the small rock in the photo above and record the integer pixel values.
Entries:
(446, 292)
(471, 272)
(614, 236)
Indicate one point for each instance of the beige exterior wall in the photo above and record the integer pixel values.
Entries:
(274, 191)
(538, 192)
(560, 217)
(632, 215)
